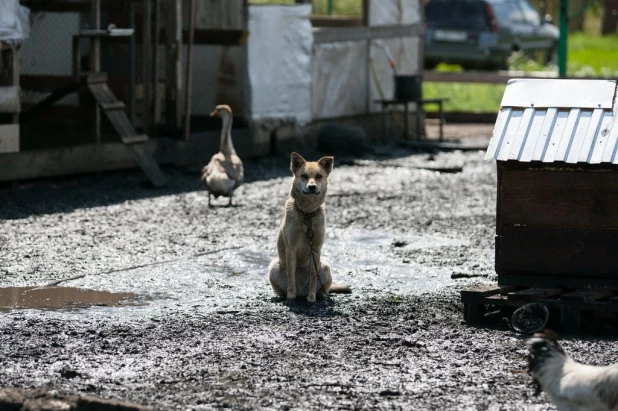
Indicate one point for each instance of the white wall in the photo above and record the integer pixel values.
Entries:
(388, 12)
(280, 43)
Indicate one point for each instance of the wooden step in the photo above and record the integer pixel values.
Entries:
(531, 294)
(114, 105)
(94, 77)
(486, 291)
(587, 295)
(139, 138)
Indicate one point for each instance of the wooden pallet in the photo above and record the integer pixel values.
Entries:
(571, 304)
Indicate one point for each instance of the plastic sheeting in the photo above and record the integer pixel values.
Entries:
(340, 75)
(406, 54)
(280, 44)
(339, 79)
(9, 99)
(394, 12)
(14, 22)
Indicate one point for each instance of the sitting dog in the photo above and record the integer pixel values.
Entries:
(300, 271)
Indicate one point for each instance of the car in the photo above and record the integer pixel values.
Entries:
(482, 34)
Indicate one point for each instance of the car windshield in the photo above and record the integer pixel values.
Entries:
(457, 14)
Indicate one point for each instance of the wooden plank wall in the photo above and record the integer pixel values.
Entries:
(557, 220)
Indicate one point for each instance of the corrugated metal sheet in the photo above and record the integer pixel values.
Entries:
(570, 134)
(559, 93)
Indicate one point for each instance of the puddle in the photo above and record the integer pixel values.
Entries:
(49, 298)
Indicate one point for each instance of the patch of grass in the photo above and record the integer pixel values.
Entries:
(465, 97)
(587, 56)
(590, 55)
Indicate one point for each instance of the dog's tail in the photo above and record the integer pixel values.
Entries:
(340, 289)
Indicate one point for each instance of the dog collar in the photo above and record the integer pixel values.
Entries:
(306, 214)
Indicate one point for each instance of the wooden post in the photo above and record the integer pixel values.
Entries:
(610, 18)
(146, 62)
(156, 117)
(13, 74)
(95, 61)
(368, 69)
(173, 67)
(132, 65)
(188, 90)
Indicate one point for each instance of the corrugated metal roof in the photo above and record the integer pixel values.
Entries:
(567, 132)
(559, 93)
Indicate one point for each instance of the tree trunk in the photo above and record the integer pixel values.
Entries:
(610, 17)
(577, 23)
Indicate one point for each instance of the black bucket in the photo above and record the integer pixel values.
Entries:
(408, 87)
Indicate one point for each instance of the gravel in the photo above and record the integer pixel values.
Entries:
(207, 331)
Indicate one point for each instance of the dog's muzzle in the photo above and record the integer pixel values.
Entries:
(309, 190)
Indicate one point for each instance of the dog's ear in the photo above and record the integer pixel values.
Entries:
(327, 163)
(297, 162)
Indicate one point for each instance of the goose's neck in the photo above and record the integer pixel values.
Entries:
(226, 146)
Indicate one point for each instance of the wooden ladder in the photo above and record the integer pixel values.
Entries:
(114, 111)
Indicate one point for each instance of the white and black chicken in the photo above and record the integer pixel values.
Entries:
(570, 385)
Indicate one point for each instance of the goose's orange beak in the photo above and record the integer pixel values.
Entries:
(213, 113)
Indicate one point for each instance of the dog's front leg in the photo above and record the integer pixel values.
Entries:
(313, 279)
(291, 274)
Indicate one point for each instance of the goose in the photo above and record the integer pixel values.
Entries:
(224, 173)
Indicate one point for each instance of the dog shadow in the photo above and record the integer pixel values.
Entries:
(322, 307)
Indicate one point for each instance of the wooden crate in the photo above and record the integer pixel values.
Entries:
(557, 225)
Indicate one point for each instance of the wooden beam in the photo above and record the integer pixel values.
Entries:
(586, 295)
(543, 279)
(530, 294)
(335, 34)
(488, 77)
(189, 75)
(68, 160)
(485, 291)
(156, 106)
(95, 61)
(146, 65)
(172, 12)
(366, 11)
(323, 21)
(74, 6)
(117, 156)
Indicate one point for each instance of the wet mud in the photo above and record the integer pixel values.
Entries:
(47, 298)
(406, 236)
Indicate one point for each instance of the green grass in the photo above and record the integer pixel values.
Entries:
(594, 55)
(587, 56)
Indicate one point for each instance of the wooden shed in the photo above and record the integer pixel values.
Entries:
(556, 143)
(282, 88)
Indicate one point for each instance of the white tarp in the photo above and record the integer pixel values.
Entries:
(280, 43)
(14, 22)
(339, 79)
(394, 12)
(9, 99)
(405, 51)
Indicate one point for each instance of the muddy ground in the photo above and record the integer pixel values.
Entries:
(204, 330)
